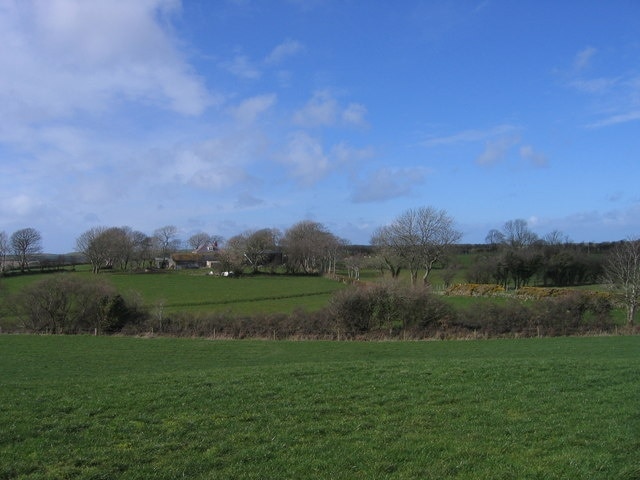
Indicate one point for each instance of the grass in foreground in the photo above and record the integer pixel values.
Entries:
(100, 407)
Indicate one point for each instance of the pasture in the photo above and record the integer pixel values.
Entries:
(165, 408)
(195, 291)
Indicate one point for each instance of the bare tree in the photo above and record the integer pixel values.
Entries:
(142, 248)
(517, 234)
(25, 243)
(166, 240)
(118, 247)
(259, 246)
(494, 237)
(623, 273)
(388, 256)
(309, 247)
(88, 245)
(199, 240)
(4, 250)
(420, 237)
(556, 238)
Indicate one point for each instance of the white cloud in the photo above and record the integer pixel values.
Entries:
(496, 150)
(467, 136)
(283, 51)
(247, 200)
(21, 204)
(320, 110)
(594, 85)
(345, 155)
(354, 115)
(616, 119)
(66, 56)
(615, 98)
(251, 108)
(192, 167)
(536, 159)
(305, 156)
(388, 183)
(323, 109)
(241, 66)
(583, 58)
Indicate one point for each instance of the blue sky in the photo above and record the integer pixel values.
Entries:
(223, 116)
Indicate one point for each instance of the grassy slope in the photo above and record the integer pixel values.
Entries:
(99, 407)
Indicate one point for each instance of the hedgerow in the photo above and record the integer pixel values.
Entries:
(64, 304)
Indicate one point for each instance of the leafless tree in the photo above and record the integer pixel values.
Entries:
(199, 240)
(310, 247)
(92, 245)
(166, 240)
(387, 256)
(4, 250)
(517, 234)
(256, 247)
(623, 273)
(494, 237)
(556, 238)
(142, 248)
(25, 243)
(420, 237)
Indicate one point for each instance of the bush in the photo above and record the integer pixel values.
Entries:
(475, 290)
(567, 314)
(71, 304)
(388, 308)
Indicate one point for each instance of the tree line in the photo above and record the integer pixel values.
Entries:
(418, 240)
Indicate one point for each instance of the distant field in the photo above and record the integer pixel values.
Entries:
(109, 407)
(194, 290)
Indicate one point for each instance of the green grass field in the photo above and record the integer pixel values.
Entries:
(194, 290)
(162, 408)
(189, 291)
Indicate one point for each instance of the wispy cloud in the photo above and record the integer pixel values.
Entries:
(249, 109)
(615, 97)
(241, 66)
(324, 110)
(286, 49)
(616, 119)
(496, 150)
(594, 85)
(467, 136)
(320, 110)
(346, 155)
(535, 158)
(498, 143)
(583, 58)
(354, 114)
(247, 200)
(387, 183)
(305, 157)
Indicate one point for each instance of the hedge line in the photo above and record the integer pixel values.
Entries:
(376, 311)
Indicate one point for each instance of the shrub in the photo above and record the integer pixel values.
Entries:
(71, 304)
(566, 314)
(494, 319)
(475, 290)
(387, 308)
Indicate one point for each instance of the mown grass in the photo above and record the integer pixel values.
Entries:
(108, 407)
